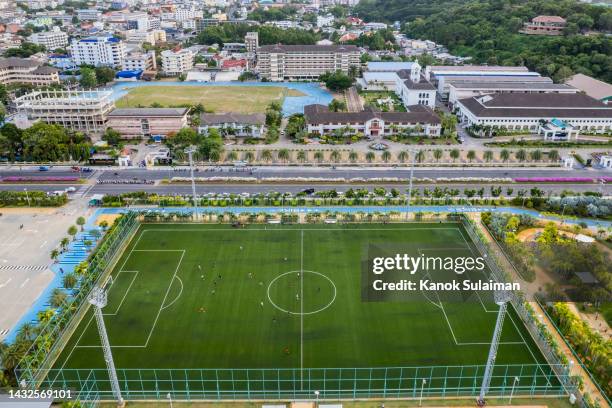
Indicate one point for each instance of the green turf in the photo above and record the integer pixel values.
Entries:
(196, 296)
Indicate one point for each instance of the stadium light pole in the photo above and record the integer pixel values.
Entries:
(414, 153)
(169, 396)
(317, 398)
(98, 299)
(190, 152)
(27, 195)
(502, 298)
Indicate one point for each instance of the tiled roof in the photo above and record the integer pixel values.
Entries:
(319, 114)
(221, 118)
(308, 48)
(136, 112)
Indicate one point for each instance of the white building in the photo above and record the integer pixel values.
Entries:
(177, 62)
(414, 89)
(143, 61)
(97, 51)
(51, 40)
(152, 37)
(251, 41)
(78, 110)
(325, 21)
(295, 62)
(89, 14)
(234, 124)
(557, 116)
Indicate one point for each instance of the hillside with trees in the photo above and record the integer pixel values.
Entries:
(487, 30)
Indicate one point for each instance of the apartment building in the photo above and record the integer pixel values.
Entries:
(89, 14)
(152, 36)
(27, 71)
(84, 111)
(97, 51)
(140, 61)
(419, 120)
(136, 123)
(545, 25)
(251, 42)
(535, 112)
(303, 62)
(51, 40)
(177, 62)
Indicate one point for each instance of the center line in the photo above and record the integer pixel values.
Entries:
(302, 310)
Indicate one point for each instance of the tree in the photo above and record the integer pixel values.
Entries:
(535, 155)
(266, 155)
(111, 136)
(419, 156)
(283, 155)
(370, 156)
(553, 155)
(211, 147)
(520, 155)
(104, 75)
(454, 154)
(504, 155)
(487, 155)
(88, 78)
(335, 156)
(54, 254)
(80, 222)
(301, 156)
(336, 81)
(104, 225)
(353, 156)
(402, 156)
(319, 156)
(471, 155)
(72, 231)
(437, 154)
(249, 156)
(69, 280)
(337, 105)
(58, 297)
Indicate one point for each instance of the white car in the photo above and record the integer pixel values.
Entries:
(71, 189)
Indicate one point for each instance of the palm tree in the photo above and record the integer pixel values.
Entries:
(58, 297)
(471, 155)
(504, 155)
(72, 231)
(402, 156)
(437, 154)
(319, 156)
(283, 155)
(487, 155)
(266, 155)
(301, 156)
(80, 222)
(370, 156)
(103, 225)
(535, 155)
(386, 156)
(553, 155)
(520, 155)
(231, 156)
(69, 280)
(27, 331)
(353, 156)
(419, 156)
(54, 254)
(335, 156)
(65, 241)
(249, 156)
(454, 154)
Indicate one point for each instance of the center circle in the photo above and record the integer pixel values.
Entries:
(301, 292)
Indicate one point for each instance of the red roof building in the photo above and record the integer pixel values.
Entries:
(545, 25)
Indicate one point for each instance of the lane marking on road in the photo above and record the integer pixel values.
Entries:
(6, 283)
(24, 282)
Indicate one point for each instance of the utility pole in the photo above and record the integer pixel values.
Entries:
(190, 152)
(502, 298)
(98, 299)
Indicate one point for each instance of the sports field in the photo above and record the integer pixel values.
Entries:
(219, 99)
(213, 296)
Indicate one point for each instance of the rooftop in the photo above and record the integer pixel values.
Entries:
(548, 19)
(374, 66)
(593, 87)
(483, 68)
(320, 114)
(221, 118)
(158, 112)
(308, 48)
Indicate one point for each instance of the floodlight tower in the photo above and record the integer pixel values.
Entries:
(502, 298)
(97, 298)
(190, 152)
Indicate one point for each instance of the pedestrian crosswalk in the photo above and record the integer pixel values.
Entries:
(82, 190)
(23, 267)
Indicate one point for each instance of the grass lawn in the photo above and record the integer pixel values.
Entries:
(289, 297)
(243, 99)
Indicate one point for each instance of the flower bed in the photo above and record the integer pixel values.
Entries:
(34, 179)
(554, 180)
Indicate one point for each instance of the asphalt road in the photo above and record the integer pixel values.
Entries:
(353, 172)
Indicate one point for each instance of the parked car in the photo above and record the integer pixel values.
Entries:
(43, 168)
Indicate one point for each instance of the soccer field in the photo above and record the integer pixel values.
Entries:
(219, 99)
(187, 296)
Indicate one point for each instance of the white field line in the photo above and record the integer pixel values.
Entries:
(177, 297)
(125, 294)
(302, 310)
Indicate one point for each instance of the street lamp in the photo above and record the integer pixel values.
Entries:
(414, 153)
(516, 380)
(27, 195)
(190, 152)
(422, 386)
(316, 393)
(169, 396)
